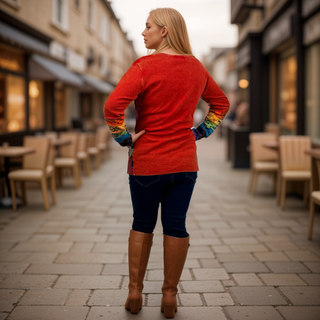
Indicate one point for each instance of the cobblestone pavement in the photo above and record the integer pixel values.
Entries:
(247, 259)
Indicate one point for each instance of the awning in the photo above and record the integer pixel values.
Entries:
(21, 39)
(48, 70)
(97, 84)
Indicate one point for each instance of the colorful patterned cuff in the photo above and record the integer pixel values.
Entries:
(124, 139)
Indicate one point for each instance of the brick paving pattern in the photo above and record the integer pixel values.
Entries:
(247, 259)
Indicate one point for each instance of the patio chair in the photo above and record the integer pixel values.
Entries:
(93, 151)
(262, 159)
(314, 199)
(82, 153)
(68, 158)
(295, 164)
(102, 137)
(34, 168)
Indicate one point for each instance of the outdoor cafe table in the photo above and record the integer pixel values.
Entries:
(315, 155)
(7, 153)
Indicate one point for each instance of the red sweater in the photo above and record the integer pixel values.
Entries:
(166, 89)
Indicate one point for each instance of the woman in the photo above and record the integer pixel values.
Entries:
(166, 87)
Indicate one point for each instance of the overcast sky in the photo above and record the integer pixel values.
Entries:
(208, 21)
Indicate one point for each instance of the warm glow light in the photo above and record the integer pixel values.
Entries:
(13, 98)
(9, 64)
(33, 89)
(243, 83)
(13, 125)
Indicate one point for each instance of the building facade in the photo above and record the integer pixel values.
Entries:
(59, 61)
(278, 53)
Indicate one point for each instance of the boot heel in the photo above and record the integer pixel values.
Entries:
(169, 311)
(135, 305)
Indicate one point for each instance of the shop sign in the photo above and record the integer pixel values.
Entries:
(308, 6)
(311, 30)
(278, 32)
(75, 61)
(243, 55)
(57, 51)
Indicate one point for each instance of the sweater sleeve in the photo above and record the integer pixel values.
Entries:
(127, 90)
(218, 108)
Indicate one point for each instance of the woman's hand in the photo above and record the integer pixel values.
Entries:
(136, 136)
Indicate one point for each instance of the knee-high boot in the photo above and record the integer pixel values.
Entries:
(175, 253)
(139, 251)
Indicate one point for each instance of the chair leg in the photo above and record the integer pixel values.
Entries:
(278, 187)
(254, 182)
(97, 161)
(87, 166)
(60, 177)
(23, 189)
(311, 219)
(53, 188)
(79, 174)
(305, 194)
(274, 177)
(45, 193)
(13, 195)
(283, 192)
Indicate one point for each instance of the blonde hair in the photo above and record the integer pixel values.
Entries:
(177, 36)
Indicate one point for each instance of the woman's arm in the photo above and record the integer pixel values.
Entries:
(218, 108)
(127, 90)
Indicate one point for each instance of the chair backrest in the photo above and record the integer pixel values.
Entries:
(92, 140)
(257, 151)
(83, 144)
(51, 134)
(292, 152)
(273, 128)
(102, 135)
(37, 160)
(69, 150)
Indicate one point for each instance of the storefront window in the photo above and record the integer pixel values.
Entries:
(11, 60)
(60, 108)
(36, 108)
(312, 92)
(12, 103)
(287, 95)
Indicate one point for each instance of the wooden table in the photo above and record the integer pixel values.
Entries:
(7, 153)
(273, 145)
(315, 155)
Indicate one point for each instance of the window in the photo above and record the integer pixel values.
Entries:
(12, 103)
(36, 105)
(60, 108)
(60, 14)
(11, 60)
(90, 15)
(104, 29)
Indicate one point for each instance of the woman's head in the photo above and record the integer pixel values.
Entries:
(166, 28)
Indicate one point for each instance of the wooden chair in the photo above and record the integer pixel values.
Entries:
(82, 153)
(295, 164)
(93, 151)
(314, 199)
(102, 137)
(34, 168)
(68, 158)
(263, 160)
(51, 134)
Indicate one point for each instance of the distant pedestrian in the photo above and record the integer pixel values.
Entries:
(166, 86)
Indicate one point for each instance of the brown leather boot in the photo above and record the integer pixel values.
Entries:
(175, 253)
(139, 251)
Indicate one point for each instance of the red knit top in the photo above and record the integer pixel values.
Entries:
(166, 89)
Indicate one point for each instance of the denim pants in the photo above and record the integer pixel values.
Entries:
(173, 191)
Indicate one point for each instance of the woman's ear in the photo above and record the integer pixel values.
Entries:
(164, 31)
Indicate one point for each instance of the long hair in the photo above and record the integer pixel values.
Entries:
(177, 36)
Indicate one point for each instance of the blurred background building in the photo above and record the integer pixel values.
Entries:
(59, 61)
(277, 66)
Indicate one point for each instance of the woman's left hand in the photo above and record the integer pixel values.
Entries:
(136, 136)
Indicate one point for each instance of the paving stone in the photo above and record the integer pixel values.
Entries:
(210, 273)
(281, 280)
(201, 286)
(190, 299)
(83, 231)
(116, 269)
(147, 313)
(43, 238)
(43, 247)
(282, 246)
(82, 247)
(218, 299)
(249, 248)
(199, 255)
(108, 298)
(221, 249)
(313, 266)
(48, 297)
(110, 247)
(287, 267)
(49, 313)
(227, 257)
(311, 279)
(205, 242)
(154, 300)
(149, 286)
(8, 298)
(3, 316)
(271, 256)
(299, 313)
(158, 275)
(246, 267)
(240, 240)
(59, 268)
(302, 296)
(12, 267)
(88, 282)
(302, 256)
(257, 296)
(90, 258)
(228, 283)
(247, 279)
(78, 298)
(24, 281)
(273, 238)
(83, 238)
(209, 263)
(253, 313)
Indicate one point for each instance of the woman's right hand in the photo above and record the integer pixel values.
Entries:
(136, 136)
